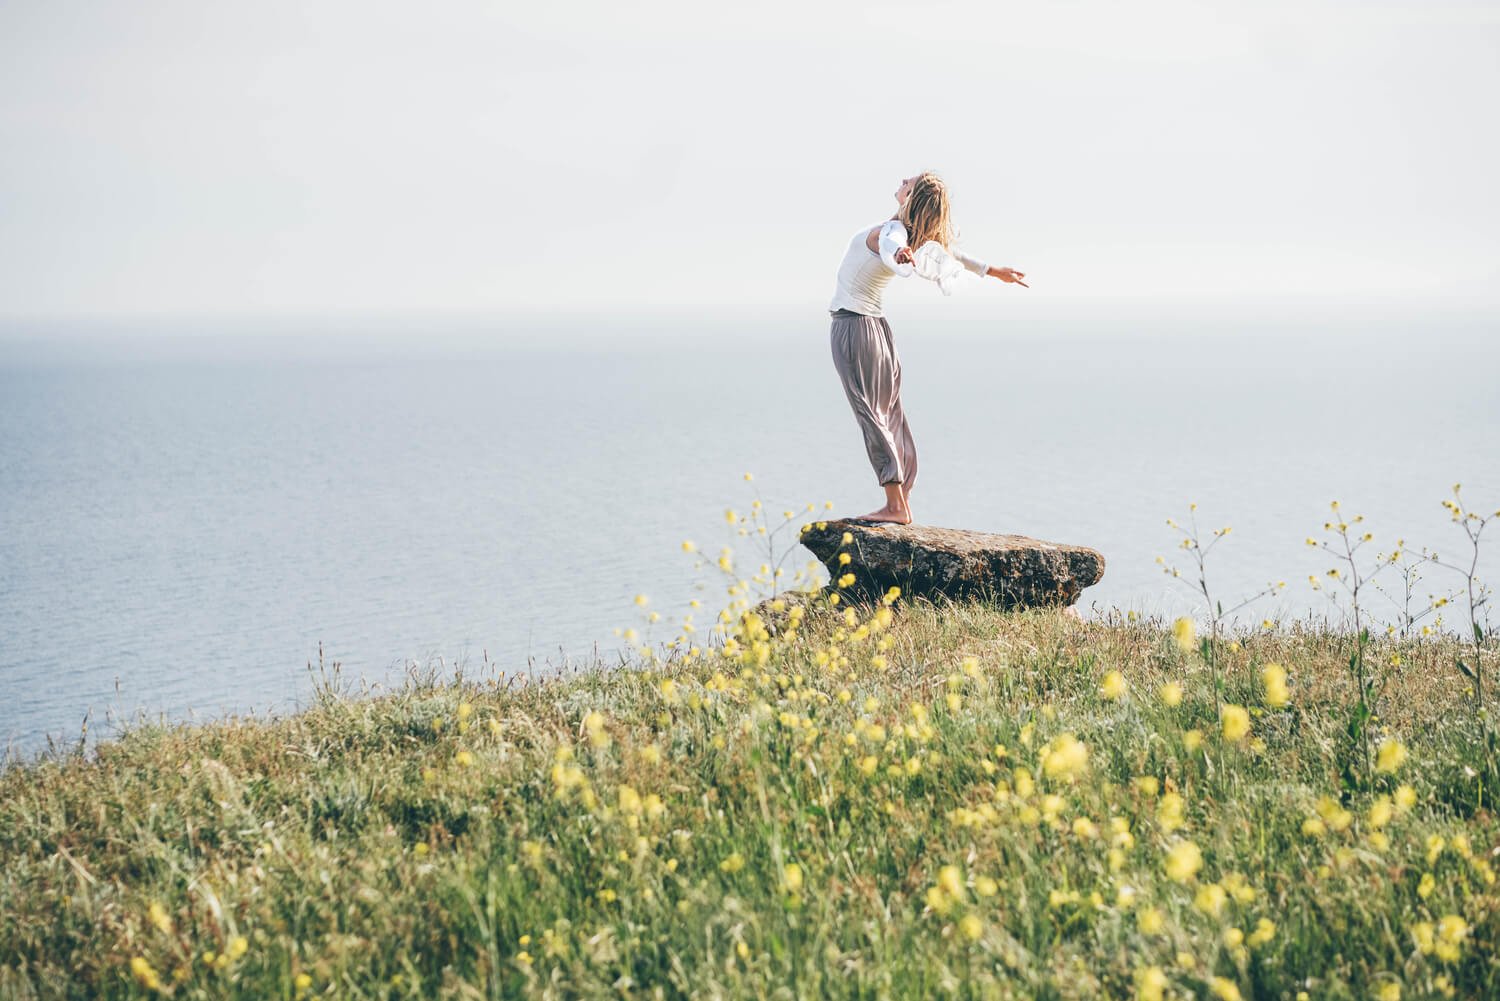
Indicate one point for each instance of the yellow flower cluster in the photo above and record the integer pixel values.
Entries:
(1065, 758)
(1273, 677)
(1235, 722)
(1185, 634)
(1113, 687)
(1183, 861)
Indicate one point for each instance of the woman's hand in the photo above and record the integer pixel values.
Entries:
(1010, 275)
(905, 256)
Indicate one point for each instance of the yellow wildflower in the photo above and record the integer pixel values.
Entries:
(1239, 888)
(158, 917)
(1273, 676)
(1150, 984)
(1064, 757)
(1265, 930)
(1185, 634)
(593, 724)
(951, 881)
(1171, 694)
(1335, 816)
(793, 877)
(1452, 930)
(1211, 899)
(1113, 686)
(937, 900)
(1235, 722)
(1150, 921)
(1224, 989)
(1169, 812)
(144, 974)
(1183, 861)
(971, 927)
(1390, 756)
(734, 863)
(1192, 739)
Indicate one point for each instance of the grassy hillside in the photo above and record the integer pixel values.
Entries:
(918, 801)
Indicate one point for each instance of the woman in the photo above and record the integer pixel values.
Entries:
(864, 352)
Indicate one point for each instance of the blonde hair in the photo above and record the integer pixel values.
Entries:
(926, 213)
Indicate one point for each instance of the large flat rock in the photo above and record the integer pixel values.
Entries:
(1012, 571)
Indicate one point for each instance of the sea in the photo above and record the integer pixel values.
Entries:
(201, 517)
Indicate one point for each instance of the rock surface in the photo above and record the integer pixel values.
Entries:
(1012, 571)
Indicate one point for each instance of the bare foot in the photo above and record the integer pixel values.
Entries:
(899, 517)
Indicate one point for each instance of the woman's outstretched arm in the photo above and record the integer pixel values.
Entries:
(983, 270)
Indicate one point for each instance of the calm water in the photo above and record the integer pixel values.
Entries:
(186, 517)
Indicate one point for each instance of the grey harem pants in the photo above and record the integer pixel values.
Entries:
(864, 353)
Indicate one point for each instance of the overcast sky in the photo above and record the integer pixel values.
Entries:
(294, 157)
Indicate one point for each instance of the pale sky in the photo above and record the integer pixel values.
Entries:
(293, 157)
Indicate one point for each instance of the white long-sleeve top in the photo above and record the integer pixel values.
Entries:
(863, 274)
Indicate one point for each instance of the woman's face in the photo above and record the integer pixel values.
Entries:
(905, 189)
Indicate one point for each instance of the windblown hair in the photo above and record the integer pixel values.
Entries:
(926, 213)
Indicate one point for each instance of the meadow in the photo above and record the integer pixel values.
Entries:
(887, 799)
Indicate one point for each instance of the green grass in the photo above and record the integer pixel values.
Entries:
(409, 847)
